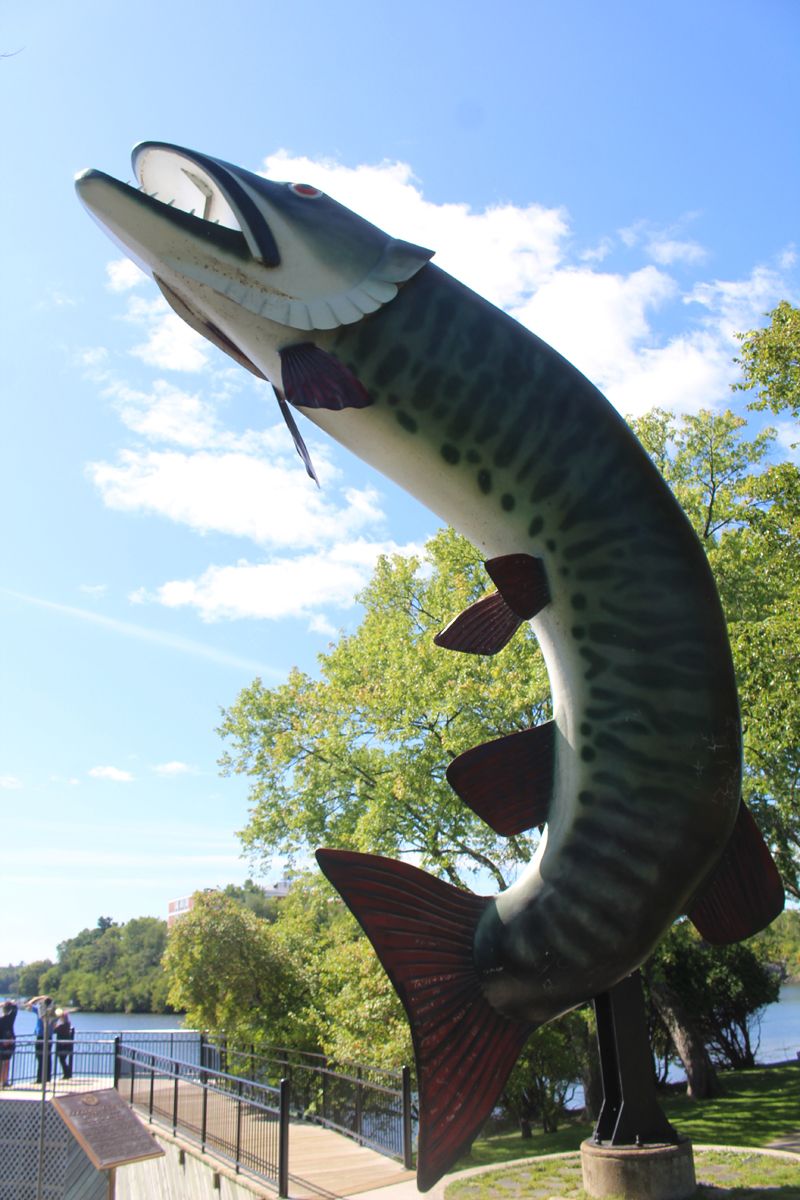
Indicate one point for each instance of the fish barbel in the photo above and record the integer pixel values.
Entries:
(638, 774)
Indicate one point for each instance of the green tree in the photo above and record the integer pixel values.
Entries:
(770, 361)
(547, 1071)
(357, 757)
(723, 989)
(230, 974)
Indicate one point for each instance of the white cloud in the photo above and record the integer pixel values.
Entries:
(171, 769)
(632, 323)
(112, 773)
(172, 345)
(10, 783)
(666, 251)
(270, 503)
(597, 320)
(123, 274)
(95, 590)
(282, 587)
(503, 252)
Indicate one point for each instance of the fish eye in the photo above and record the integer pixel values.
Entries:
(305, 189)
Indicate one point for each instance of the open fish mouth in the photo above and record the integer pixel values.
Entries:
(207, 188)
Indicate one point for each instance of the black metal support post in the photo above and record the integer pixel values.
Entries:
(283, 1139)
(117, 1043)
(630, 1114)
(238, 1127)
(177, 1067)
(408, 1161)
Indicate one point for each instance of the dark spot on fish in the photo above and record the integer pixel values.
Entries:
(485, 481)
(586, 798)
(587, 754)
(393, 399)
(473, 457)
(578, 600)
(550, 544)
(578, 549)
(578, 632)
(586, 728)
(406, 421)
(547, 484)
(450, 454)
(597, 664)
(535, 526)
(564, 572)
(391, 365)
(507, 501)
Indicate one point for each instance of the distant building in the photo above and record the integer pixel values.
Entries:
(184, 904)
(179, 908)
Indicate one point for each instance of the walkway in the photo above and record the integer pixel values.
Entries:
(326, 1164)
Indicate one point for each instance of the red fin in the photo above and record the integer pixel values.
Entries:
(484, 628)
(489, 624)
(313, 378)
(521, 581)
(508, 782)
(422, 930)
(744, 892)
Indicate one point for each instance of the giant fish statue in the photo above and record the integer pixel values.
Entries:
(637, 778)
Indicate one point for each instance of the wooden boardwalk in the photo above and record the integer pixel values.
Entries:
(327, 1164)
(323, 1165)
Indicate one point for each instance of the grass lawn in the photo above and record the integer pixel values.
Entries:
(758, 1107)
(720, 1176)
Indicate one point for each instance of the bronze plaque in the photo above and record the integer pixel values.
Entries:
(107, 1129)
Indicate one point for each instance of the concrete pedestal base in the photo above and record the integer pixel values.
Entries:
(646, 1173)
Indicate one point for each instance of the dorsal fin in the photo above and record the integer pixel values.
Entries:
(744, 892)
(489, 624)
(423, 931)
(508, 782)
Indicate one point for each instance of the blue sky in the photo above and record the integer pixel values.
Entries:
(623, 177)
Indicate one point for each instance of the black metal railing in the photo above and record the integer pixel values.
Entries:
(69, 1066)
(371, 1104)
(239, 1120)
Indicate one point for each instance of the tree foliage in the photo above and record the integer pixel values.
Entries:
(229, 973)
(357, 757)
(111, 968)
(770, 361)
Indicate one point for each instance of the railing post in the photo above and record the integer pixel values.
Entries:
(283, 1139)
(204, 1124)
(133, 1072)
(177, 1067)
(202, 1049)
(152, 1086)
(238, 1126)
(359, 1105)
(117, 1041)
(407, 1153)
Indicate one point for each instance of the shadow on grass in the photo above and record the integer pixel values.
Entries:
(758, 1107)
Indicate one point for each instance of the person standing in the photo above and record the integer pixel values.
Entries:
(65, 1039)
(43, 1007)
(8, 1015)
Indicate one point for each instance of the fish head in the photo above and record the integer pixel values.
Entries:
(246, 261)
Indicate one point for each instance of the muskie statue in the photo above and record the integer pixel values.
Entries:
(637, 777)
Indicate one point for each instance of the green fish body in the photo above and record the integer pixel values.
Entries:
(638, 775)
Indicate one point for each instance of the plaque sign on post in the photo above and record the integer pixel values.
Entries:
(106, 1128)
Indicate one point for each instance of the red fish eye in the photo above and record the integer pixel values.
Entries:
(305, 189)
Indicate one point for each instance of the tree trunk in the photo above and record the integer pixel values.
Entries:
(702, 1080)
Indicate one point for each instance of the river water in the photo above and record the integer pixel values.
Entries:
(780, 1025)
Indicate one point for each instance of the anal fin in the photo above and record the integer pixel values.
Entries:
(508, 782)
(744, 892)
(422, 930)
(489, 624)
(312, 378)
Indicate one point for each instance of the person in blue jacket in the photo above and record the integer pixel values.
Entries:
(45, 1015)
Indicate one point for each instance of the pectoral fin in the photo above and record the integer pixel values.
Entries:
(489, 624)
(312, 378)
(508, 782)
(744, 892)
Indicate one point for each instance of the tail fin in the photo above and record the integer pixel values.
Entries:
(422, 930)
